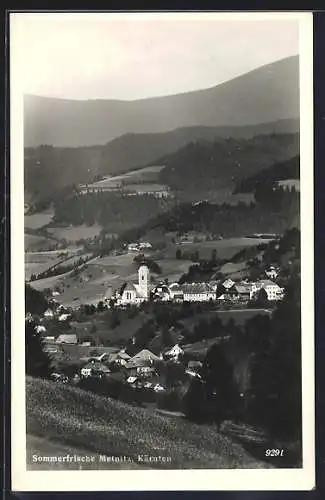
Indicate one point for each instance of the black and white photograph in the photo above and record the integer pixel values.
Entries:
(162, 250)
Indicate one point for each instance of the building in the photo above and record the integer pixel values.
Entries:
(198, 292)
(176, 292)
(271, 272)
(274, 291)
(93, 369)
(136, 293)
(67, 338)
(142, 363)
(48, 313)
(174, 353)
(161, 292)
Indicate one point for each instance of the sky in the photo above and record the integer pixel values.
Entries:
(125, 56)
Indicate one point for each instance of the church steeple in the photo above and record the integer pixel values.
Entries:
(144, 280)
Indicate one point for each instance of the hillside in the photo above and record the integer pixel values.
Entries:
(289, 169)
(207, 161)
(266, 94)
(82, 419)
(206, 166)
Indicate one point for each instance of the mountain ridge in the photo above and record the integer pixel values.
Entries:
(266, 94)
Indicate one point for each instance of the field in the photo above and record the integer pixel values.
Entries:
(73, 234)
(34, 243)
(38, 262)
(72, 417)
(146, 174)
(225, 248)
(38, 220)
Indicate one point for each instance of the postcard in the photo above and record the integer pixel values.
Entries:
(162, 302)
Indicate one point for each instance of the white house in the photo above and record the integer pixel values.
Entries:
(48, 313)
(64, 317)
(40, 329)
(136, 293)
(274, 292)
(174, 352)
(271, 272)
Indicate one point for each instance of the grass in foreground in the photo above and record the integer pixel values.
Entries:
(105, 426)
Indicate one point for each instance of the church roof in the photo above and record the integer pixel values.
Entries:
(130, 287)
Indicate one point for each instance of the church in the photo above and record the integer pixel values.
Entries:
(135, 293)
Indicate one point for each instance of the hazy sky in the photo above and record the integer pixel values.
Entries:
(92, 56)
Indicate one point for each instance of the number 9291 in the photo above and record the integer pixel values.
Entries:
(274, 452)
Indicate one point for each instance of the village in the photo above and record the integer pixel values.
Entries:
(144, 371)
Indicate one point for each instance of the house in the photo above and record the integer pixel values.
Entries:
(67, 338)
(94, 368)
(244, 291)
(198, 292)
(40, 329)
(133, 247)
(64, 317)
(174, 353)
(136, 293)
(161, 292)
(142, 363)
(176, 292)
(145, 245)
(48, 313)
(274, 291)
(119, 358)
(272, 272)
(194, 365)
(228, 283)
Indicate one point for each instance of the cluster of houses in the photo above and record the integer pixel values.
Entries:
(138, 371)
(139, 247)
(136, 293)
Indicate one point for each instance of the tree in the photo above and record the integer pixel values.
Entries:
(38, 363)
(178, 253)
(276, 373)
(101, 306)
(261, 299)
(35, 301)
(214, 256)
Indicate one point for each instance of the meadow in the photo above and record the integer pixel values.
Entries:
(74, 233)
(38, 220)
(71, 416)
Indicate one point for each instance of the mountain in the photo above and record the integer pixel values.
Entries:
(266, 94)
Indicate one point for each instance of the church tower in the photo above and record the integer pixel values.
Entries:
(144, 281)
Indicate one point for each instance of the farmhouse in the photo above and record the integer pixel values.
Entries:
(142, 363)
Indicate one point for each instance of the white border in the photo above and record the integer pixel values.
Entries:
(212, 479)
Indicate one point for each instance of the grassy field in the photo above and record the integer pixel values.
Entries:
(34, 243)
(72, 417)
(38, 220)
(73, 234)
(225, 248)
(146, 174)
